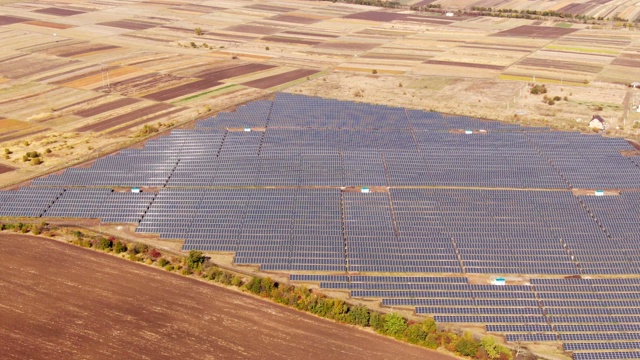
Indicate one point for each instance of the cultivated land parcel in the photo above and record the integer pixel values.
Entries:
(453, 201)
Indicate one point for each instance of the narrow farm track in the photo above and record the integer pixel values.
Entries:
(61, 301)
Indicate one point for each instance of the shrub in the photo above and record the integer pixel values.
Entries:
(358, 315)
(557, 98)
(374, 71)
(119, 247)
(48, 151)
(467, 345)
(253, 285)
(394, 325)
(494, 350)
(162, 262)
(376, 321)
(7, 151)
(169, 267)
(267, 48)
(538, 89)
(415, 334)
(154, 254)
(551, 102)
(195, 260)
(198, 31)
(236, 281)
(103, 244)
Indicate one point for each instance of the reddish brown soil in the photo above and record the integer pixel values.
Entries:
(272, 8)
(627, 62)
(545, 32)
(561, 65)
(463, 64)
(8, 20)
(107, 107)
(88, 49)
(49, 24)
(143, 121)
(5, 169)
(61, 301)
(126, 117)
(81, 102)
(294, 19)
(348, 46)
(128, 24)
(59, 11)
(254, 29)
(198, 8)
(275, 80)
(303, 33)
(182, 90)
(217, 75)
(290, 40)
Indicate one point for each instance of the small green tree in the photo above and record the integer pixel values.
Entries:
(494, 350)
(195, 260)
(358, 315)
(376, 321)
(119, 247)
(36, 161)
(415, 334)
(394, 325)
(467, 345)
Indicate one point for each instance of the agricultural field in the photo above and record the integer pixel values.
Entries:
(85, 79)
(624, 9)
(172, 316)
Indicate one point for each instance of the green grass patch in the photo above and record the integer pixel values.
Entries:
(563, 25)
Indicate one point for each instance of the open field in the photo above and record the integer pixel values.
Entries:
(71, 74)
(130, 311)
(626, 9)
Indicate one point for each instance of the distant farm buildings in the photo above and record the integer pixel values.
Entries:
(597, 122)
(635, 84)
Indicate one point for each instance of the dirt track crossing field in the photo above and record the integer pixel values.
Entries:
(61, 301)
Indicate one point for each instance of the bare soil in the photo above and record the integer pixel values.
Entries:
(62, 301)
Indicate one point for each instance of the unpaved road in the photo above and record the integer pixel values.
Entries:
(59, 301)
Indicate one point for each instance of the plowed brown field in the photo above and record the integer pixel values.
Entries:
(58, 301)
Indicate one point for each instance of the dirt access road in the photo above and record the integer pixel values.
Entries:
(59, 301)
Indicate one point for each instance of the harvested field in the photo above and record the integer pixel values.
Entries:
(126, 307)
(462, 64)
(254, 29)
(275, 80)
(182, 90)
(218, 75)
(5, 169)
(129, 116)
(31, 65)
(48, 24)
(106, 107)
(561, 65)
(89, 49)
(290, 40)
(8, 20)
(296, 19)
(545, 32)
(59, 11)
(147, 120)
(129, 24)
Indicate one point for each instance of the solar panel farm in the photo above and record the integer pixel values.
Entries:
(348, 148)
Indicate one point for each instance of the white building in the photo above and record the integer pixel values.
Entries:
(597, 122)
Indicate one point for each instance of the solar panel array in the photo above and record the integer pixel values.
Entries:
(592, 318)
(272, 197)
(309, 141)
